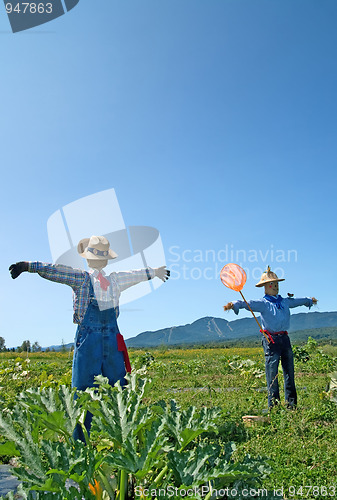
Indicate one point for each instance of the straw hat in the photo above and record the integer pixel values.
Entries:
(268, 277)
(96, 248)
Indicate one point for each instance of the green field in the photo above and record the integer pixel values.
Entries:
(299, 445)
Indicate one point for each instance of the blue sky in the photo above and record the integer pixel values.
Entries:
(214, 121)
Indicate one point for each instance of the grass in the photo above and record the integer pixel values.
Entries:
(300, 444)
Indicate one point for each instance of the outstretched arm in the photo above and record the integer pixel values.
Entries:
(125, 279)
(255, 305)
(59, 273)
(305, 301)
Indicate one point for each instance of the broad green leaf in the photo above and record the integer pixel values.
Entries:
(186, 425)
(9, 448)
(136, 459)
(206, 463)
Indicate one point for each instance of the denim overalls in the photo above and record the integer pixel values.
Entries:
(280, 349)
(96, 351)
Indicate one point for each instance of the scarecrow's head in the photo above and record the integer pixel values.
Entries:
(270, 282)
(96, 250)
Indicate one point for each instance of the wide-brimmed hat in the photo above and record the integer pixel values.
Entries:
(96, 248)
(268, 277)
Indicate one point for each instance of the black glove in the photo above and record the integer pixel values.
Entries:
(18, 268)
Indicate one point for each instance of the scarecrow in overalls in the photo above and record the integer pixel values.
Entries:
(275, 320)
(99, 347)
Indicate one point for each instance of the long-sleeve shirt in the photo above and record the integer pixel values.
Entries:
(274, 317)
(79, 281)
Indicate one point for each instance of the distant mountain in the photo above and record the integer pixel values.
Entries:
(210, 330)
(58, 348)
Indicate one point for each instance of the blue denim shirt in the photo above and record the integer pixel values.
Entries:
(273, 318)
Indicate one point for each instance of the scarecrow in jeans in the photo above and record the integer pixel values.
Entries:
(99, 347)
(275, 320)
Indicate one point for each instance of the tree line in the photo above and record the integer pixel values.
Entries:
(28, 346)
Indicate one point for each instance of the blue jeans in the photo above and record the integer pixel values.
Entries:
(280, 350)
(96, 353)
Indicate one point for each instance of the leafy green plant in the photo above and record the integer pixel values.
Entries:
(315, 359)
(18, 374)
(131, 445)
(250, 370)
(145, 359)
(300, 353)
(332, 387)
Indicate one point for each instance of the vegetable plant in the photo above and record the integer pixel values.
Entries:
(132, 448)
